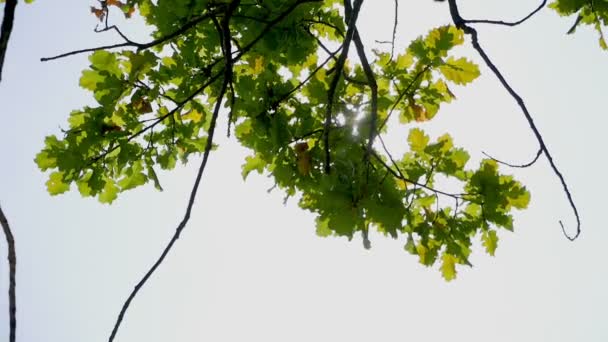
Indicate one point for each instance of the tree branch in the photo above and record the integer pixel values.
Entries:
(371, 82)
(506, 23)
(462, 24)
(334, 81)
(395, 24)
(6, 29)
(226, 80)
(12, 264)
(520, 166)
(130, 43)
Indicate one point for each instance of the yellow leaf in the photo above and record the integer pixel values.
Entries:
(448, 267)
(193, 115)
(401, 184)
(418, 140)
(404, 61)
(459, 71)
(258, 65)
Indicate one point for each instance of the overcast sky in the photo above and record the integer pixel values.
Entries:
(248, 268)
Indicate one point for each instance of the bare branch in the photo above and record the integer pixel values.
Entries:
(462, 24)
(226, 44)
(334, 81)
(371, 82)
(506, 23)
(130, 43)
(12, 264)
(520, 166)
(6, 29)
(395, 28)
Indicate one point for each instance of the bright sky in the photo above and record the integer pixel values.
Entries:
(248, 268)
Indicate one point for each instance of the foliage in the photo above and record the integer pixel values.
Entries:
(312, 123)
(588, 12)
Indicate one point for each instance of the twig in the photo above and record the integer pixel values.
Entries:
(12, 264)
(461, 23)
(208, 146)
(506, 23)
(395, 28)
(397, 174)
(130, 43)
(6, 29)
(520, 166)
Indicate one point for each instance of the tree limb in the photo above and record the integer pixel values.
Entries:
(6, 29)
(12, 263)
(130, 43)
(519, 166)
(462, 24)
(226, 79)
(507, 23)
(334, 81)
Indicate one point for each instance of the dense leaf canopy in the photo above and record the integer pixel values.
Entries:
(311, 107)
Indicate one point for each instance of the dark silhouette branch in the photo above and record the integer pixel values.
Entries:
(520, 166)
(130, 43)
(399, 175)
(226, 44)
(350, 32)
(6, 29)
(507, 23)
(371, 82)
(12, 264)
(462, 24)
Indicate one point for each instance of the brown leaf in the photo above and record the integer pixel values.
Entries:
(98, 12)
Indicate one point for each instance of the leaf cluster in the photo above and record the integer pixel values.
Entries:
(154, 105)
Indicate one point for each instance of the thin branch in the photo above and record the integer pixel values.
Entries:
(520, 166)
(115, 28)
(6, 29)
(399, 175)
(507, 23)
(461, 23)
(130, 43)
(12, 264)
(395, 28)
(227, 76)
(321, 22)
(334, 81)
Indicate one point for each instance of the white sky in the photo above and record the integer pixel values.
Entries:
(248, 268)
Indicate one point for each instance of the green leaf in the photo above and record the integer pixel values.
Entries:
(90, 79)
(56, 185)
(152, 175)
(323, 228)
(521, 201)
(490, 241)
(253, 163)
(109, 192)
(44, 161)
